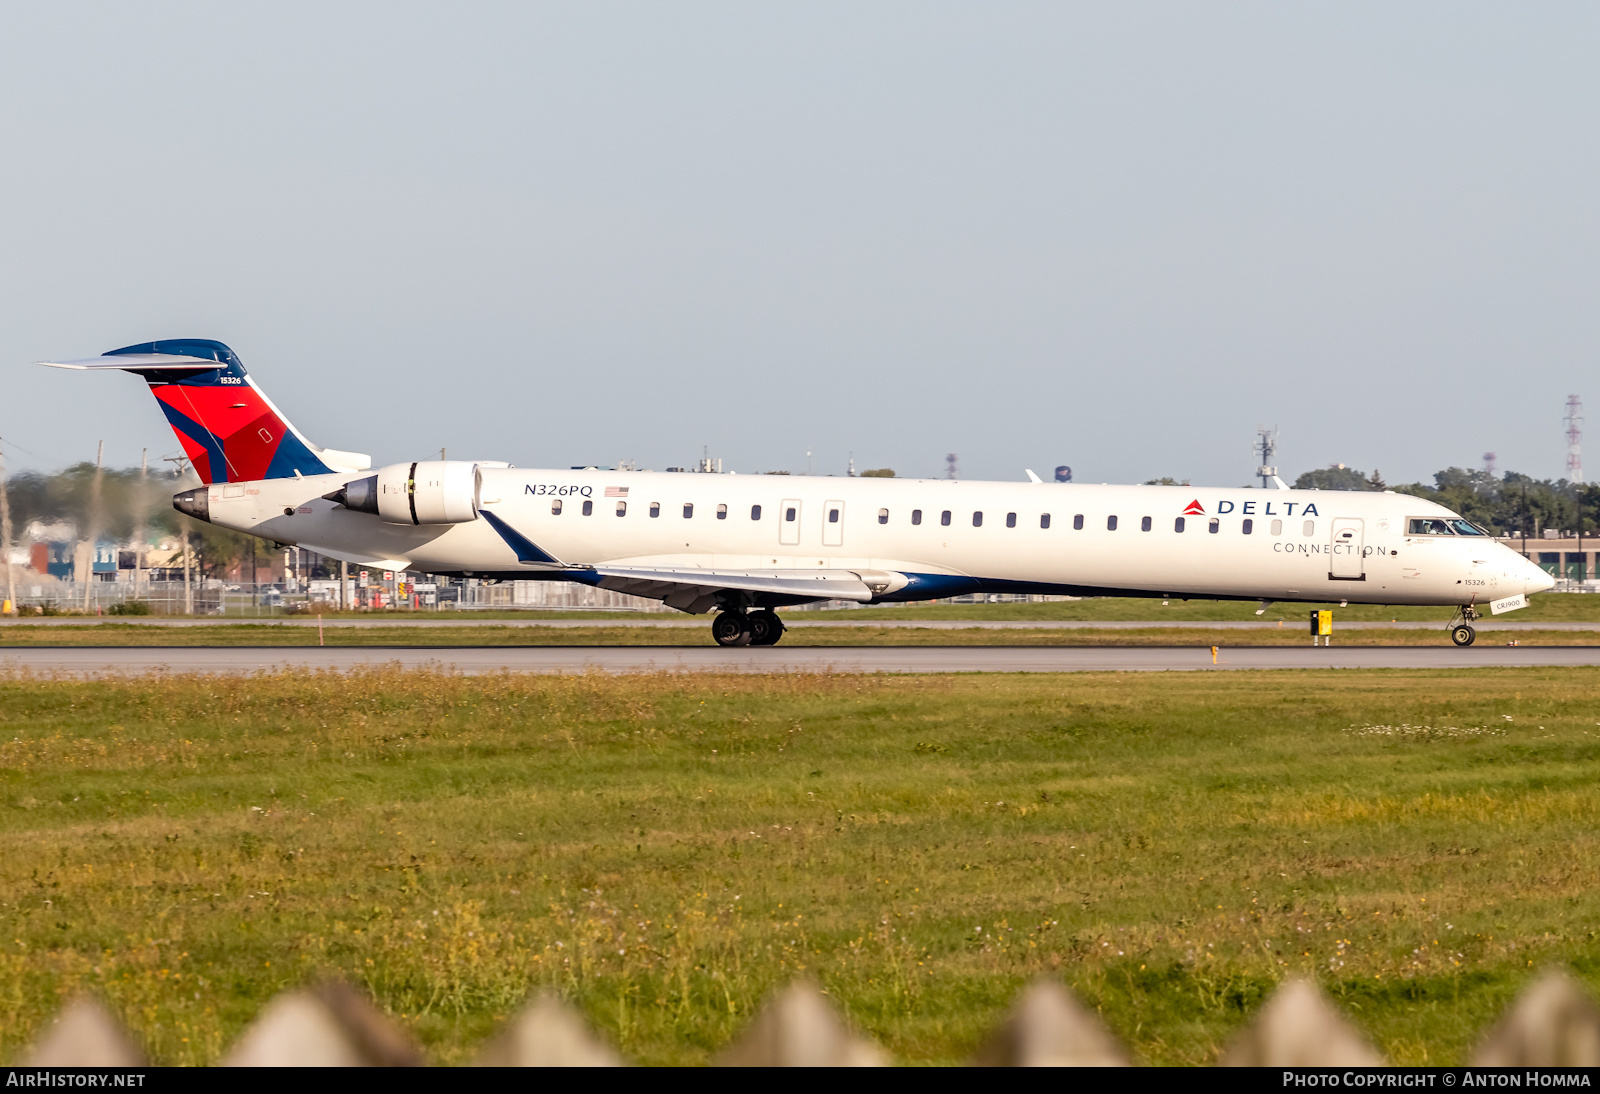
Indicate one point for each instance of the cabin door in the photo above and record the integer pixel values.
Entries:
(789, 522)
(1349, 555)
(833, 524)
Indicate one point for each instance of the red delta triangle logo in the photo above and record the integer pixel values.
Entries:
(1194, 509)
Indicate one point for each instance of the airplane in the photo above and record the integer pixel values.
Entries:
(746, 545)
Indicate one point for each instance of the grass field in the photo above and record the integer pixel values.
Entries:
(268, 634)
(667, 849)
(1548, 607)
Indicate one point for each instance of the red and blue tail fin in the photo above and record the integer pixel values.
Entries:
(229, 429)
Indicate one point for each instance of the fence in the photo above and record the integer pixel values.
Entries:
(1567, 585)
(213, 597)
(1553, 1024)
(560, 595)
(160, 597)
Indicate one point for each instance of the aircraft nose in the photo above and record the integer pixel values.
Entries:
(1536, 579)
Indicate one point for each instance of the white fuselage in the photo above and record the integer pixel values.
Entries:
(1300, 545)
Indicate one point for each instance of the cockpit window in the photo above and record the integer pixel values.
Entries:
(1467, 528)
(1428, 526)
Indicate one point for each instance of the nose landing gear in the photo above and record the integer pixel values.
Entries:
(1461, 632)
(762, 628)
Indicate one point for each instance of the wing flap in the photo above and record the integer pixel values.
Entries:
(375, 561)
(659, 583)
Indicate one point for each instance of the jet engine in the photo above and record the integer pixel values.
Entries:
(427, 492)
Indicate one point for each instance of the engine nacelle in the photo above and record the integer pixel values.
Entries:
(426, 492)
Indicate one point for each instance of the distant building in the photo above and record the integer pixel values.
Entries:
(51, 547)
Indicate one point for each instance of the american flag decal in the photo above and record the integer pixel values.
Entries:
(616, 491)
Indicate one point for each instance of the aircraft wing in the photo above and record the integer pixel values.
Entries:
(693, 590)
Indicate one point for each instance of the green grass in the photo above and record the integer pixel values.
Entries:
(265, 614)
(273, 635)
(1545, 608)
(666, 850)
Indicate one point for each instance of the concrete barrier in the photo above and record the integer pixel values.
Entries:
(1552, 1024)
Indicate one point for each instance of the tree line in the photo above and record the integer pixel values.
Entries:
(128, 502)
(1507, 505)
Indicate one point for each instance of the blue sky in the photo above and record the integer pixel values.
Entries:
(1116, 236)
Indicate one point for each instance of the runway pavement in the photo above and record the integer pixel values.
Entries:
(243, 660)
(791, 622)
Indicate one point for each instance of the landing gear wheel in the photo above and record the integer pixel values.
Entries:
(731, 629)
(765, 628)
(1463, 635)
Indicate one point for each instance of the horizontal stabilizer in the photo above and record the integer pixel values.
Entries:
(138, 362)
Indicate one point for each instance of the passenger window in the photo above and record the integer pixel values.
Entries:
(883, 516)
(977, 520)
(1215, 527)
(1111, 524)
(833, 516)
(1044, 520)
(1177, 525)
(1011, 520)
(722, 512)
(916, 516)
(1277, 527)
(688, 510)
(944, 518)
(755, 512)
(1077, 523)
(1247, 526)
(788, 514)
(655, 509)
(1311, 528)
(588, 508)
(622, 508)
(555, 508)
(1426, 526)
(1144, 524)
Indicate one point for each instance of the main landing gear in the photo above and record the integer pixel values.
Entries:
(736, 628)
(1461, 632)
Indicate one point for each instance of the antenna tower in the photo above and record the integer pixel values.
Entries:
(950, 466)
(1488, 463)
(1266, 447)
(1574, 420)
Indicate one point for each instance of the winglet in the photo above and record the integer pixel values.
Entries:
(1031, 476)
